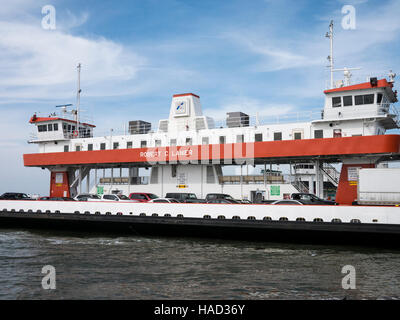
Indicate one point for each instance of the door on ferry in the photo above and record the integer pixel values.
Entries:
(297, 134)
(337, 133)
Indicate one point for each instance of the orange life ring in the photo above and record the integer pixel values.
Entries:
(75, 133)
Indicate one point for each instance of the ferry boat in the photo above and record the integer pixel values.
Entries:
(188, 151)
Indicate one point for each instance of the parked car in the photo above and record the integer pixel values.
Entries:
(222, 201)
(182, 197)
(117, 197)
(287, 202)
(220, 196)
(87, 197)
(142, 196)
(164, 200)
(309, 198)
(14, 196)
(245, 201)
(196, 201)
(55, 199)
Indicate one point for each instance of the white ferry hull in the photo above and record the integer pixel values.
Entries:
(336, 224)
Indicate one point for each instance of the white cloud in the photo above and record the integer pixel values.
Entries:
(39, 61)
(275, 57)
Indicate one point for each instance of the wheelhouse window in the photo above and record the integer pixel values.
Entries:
(42, 128)
(379, 98)
(364, 99)
(369, 99)
(336, 102)
(277, 136)
(50, 127)
(347, 101)
(55, 126)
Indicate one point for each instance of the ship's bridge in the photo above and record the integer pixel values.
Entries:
(59, 129)
(371, 102)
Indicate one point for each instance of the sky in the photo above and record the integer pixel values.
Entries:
(260, 56)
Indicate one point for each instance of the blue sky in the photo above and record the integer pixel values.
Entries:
(255, 56)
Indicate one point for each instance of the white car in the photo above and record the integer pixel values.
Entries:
(87, 197)
(164, 200)
(117, 197)
(287, 202)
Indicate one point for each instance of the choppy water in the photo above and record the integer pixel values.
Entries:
(129, 267)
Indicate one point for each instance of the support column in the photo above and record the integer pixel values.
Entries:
(162, 181)
(80, 180)
(88, 182)
(241, 181)
(129, 181)
(319, 183)
(95, 178)
(311, 188)
(265, 174)
(112, 180)
(201, 180)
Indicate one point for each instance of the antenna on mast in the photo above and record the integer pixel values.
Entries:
(330, 57)
(347, 74)
(78, 99)
(64, 108)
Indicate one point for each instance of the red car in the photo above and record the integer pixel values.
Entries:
(142, 196)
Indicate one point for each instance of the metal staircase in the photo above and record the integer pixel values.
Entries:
(330, 173)
(300, 186)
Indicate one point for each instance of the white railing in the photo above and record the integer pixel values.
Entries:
(300, 116)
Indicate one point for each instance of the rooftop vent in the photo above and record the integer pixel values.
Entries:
(139, 127)
(237, 119)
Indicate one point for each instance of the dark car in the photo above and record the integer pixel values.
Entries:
(245, 201)
(220, 196)
(56, 199)
(309, 198)
(14, 196)
(182, 196)
(221, 201)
